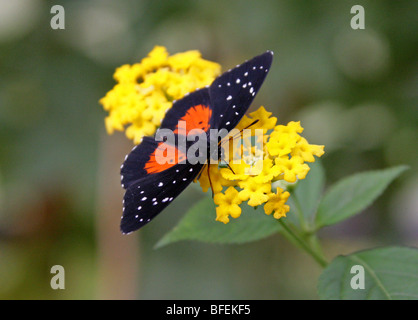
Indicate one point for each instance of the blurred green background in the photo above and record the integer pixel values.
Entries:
(355, 91)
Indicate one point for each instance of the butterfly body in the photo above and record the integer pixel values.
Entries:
(151, 185)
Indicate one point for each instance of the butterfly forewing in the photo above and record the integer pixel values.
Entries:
(187, 109)
(231, 94)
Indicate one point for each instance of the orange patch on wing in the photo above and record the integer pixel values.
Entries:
(164, 157)
(197, 117)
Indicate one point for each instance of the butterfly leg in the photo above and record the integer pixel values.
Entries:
(210, 180)
(200, 173)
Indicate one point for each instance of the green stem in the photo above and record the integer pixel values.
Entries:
(314, 253)
(314, 242)
(298, 211)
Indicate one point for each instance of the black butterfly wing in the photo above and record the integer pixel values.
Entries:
(146, 197)
(187, 109)
(231, 93)
(181, 107)
(133, 167)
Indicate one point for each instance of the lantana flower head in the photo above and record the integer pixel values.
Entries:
(282, 157)
(145, 91)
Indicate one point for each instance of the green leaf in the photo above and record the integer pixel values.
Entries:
(305, 197)
(353, 194)
(389, 273)
(199, 224)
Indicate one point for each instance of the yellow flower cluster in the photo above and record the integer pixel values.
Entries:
(281, 157)
(146, 90)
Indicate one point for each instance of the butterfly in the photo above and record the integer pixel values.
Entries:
(151, 185)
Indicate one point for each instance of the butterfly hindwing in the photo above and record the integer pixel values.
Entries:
(231, 94)
(147, 197)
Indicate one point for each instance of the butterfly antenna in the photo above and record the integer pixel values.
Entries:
(251, 124)
(230, 168)
(200, 172)
(240, 132)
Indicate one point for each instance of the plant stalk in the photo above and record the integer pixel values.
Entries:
(318, 257)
